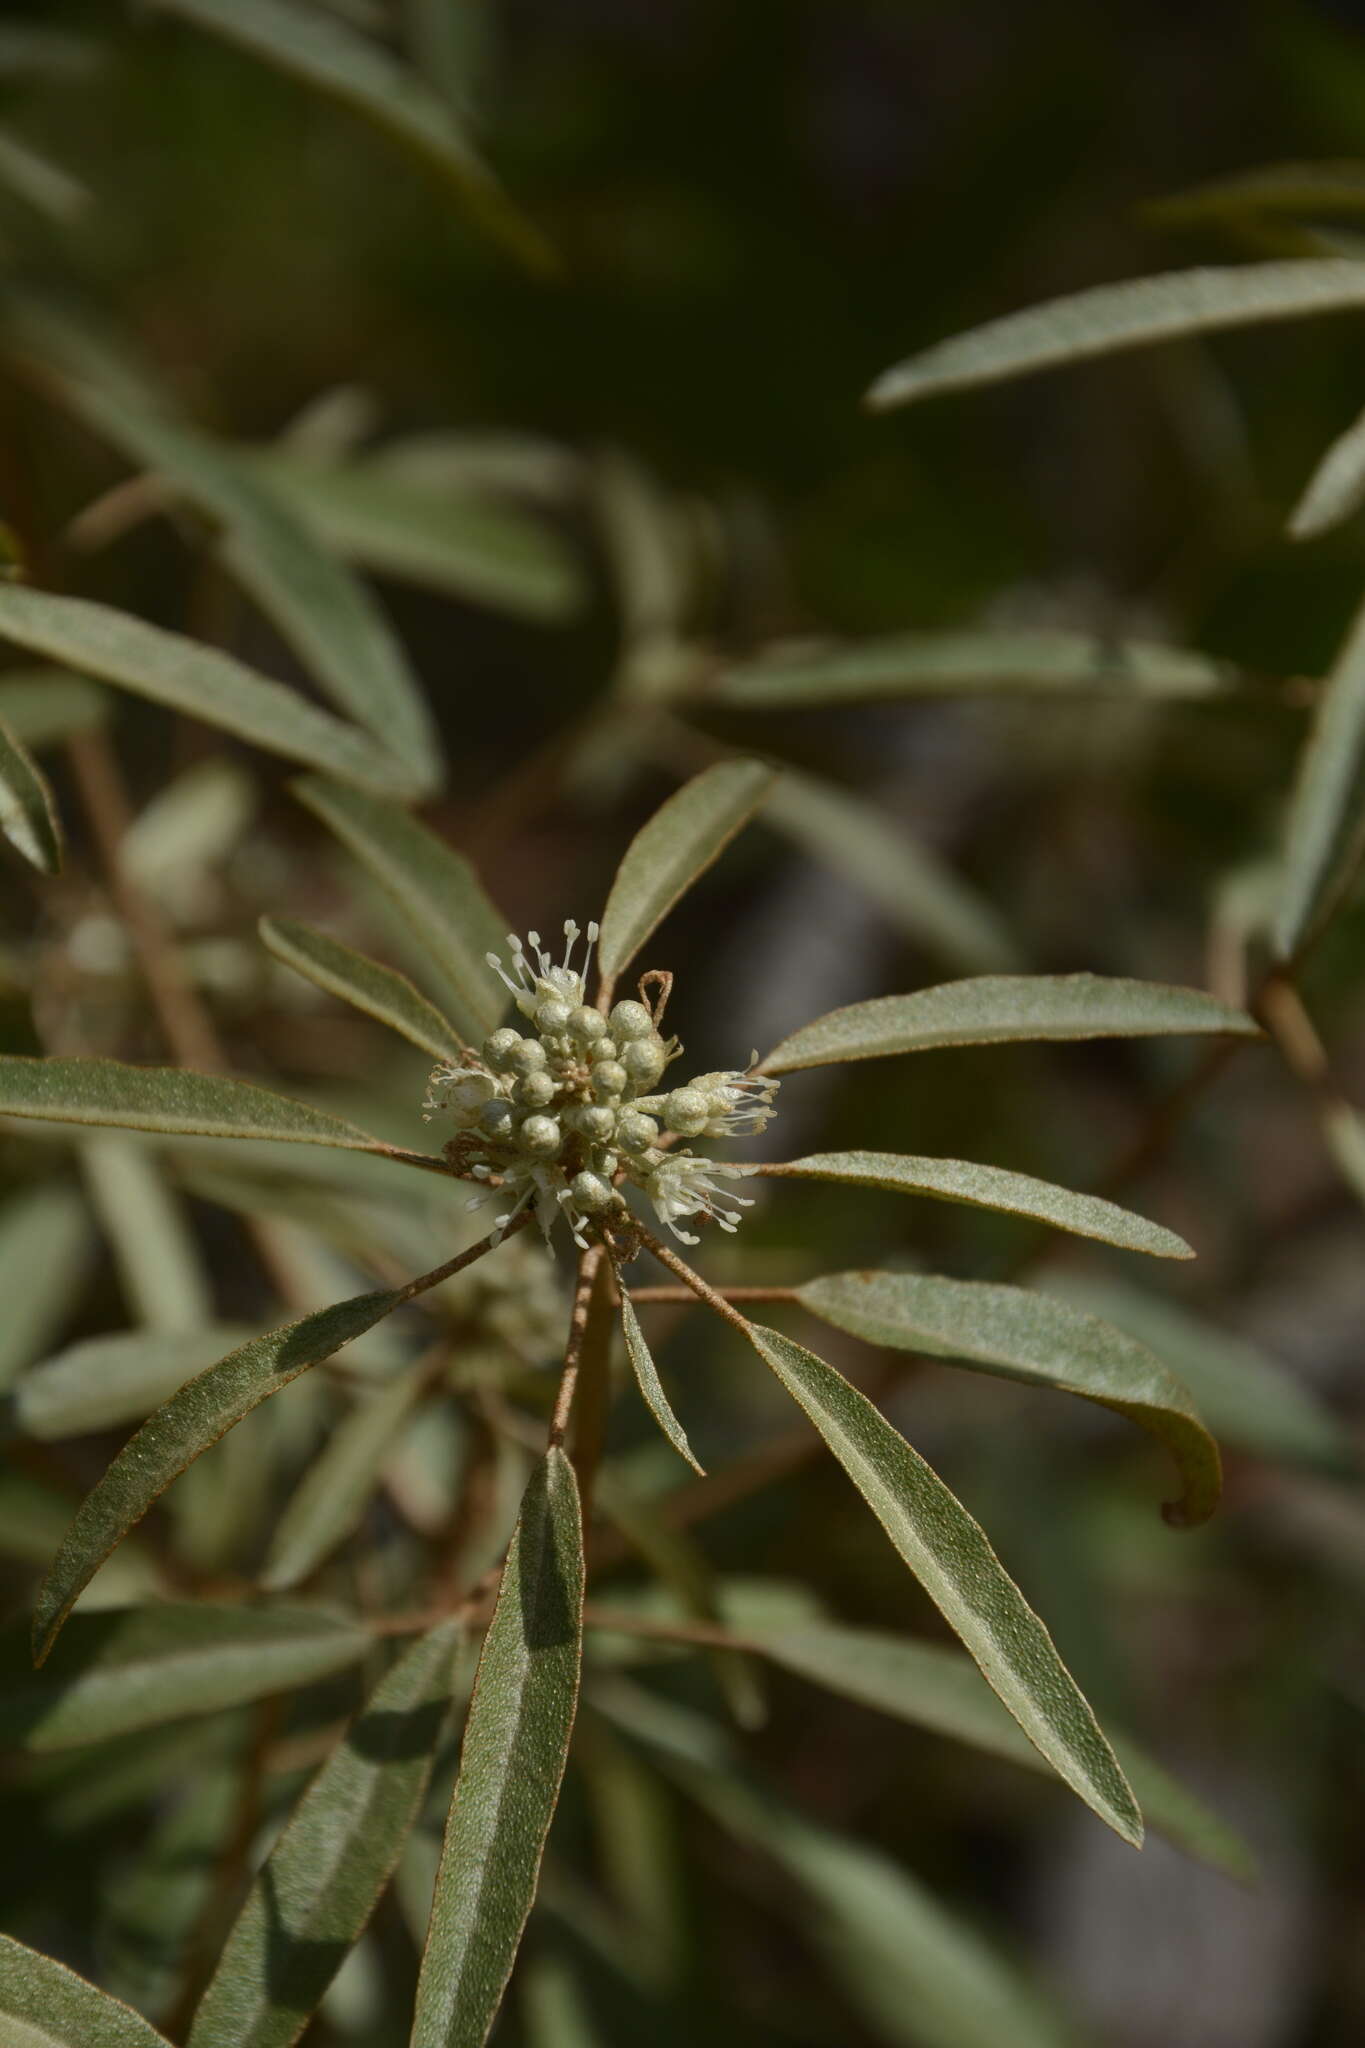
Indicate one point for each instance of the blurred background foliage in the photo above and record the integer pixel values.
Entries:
(655, 457)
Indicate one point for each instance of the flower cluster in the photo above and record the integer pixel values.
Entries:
(565, 1116)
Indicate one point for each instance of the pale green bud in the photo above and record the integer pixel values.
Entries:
(609, 1077)
(496, 1118)
(587, 1024)
(686, 1112)
(534, 1090)
(526, 1056)
(636, 1132)
(644, 1061)
(631, 1020)
(596, 1122)
(540, 1135)
(591, 1192)
(500, 1047)
(552, 1017)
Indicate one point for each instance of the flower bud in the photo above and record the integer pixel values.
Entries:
(644, 1060)
(591, 1192)
(552, 1017)
(631, 1020)
(686, 1112)
(499, 1049)
(534, 1090)
(540, 1135)
(496, 1118)
(596, 1122)
(609, 1077)
(587, 1024)
(636, 1132)
(526, 1056)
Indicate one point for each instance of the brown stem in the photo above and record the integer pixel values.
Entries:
(594, 1385)
(638, 1294)
(692, 1281)
(1281, 1008)
(588, 1263)
(424, 1281)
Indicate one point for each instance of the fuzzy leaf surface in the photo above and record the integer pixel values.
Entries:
(102, 1382)
(172, 1100)
(137, 1667)
(45, 2005)
(435, 888)
(173, 1438)
(1032, 1337)
(28, 817)
(316, 1891)
(201, 681)
(686, 834)
(991, 1187)
(364, 983)
(651, 1386)
(993, 1009)
(515, 1746)
(949, 1554)
(1112, 317)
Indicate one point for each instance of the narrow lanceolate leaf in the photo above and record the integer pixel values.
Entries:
(45, 2005)
(200, 681)
(103, 1382)
(1027, 1336)
(666, 855)
(970, 663)
(515, 1745)
(1323, 799)
(173, 1438)
(994, 1008)
(1336, 488)
(434, 887)
(454, 542)
(991, 1187)
(137, 1667)
(46, 1240)
(43, 706)
(647, 1374)
(322, 610)
(379, 991)
(166, 1099)
(950, 1556)
(1120, 316)
(331, 1497)
(28, 817)
(313, 1897)
(932, 1686)
(323, 53)
(916, 889)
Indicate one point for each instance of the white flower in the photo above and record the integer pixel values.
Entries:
(739, 1103)
(530, 987)
(683, 1185)
(458, 1092)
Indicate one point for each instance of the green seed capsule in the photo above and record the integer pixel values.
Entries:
(631, 1020)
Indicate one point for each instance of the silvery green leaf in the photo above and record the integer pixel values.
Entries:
(46, 1240)
(515, 1745)
(138, 1667)
(1336, 488)
(918, 891)
(28, 816)
(686, 834)
(161, 1270)
(996, 1008)
(45, 2005)
(363, 76)
(1028, 1336)
(647, 1375)
(332, 1495)
(1019, 662)
(949, 1554)
(458, 543)
(47, 187)
(44, 706)
(171, 1100)
(990, 1187)
(201, 681)
(203, 1411)
(1111, 317)
(316, 1891)
(1325, 796)
(104, 1382)
(378, 990)
(435, 888)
